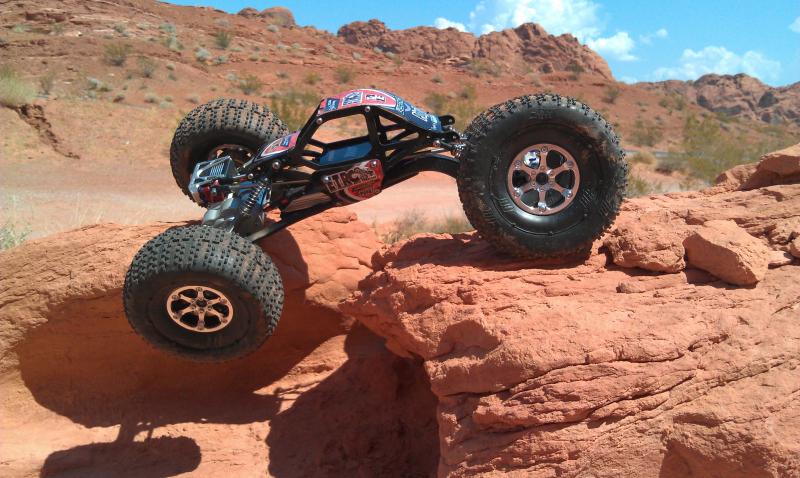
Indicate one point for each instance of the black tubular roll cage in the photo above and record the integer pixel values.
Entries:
(403, 148)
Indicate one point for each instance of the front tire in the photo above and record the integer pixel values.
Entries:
(236, 128)
(203, 294)
(541, 176)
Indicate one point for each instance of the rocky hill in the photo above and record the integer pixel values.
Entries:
(671, 351)
(519, 49)
(739, 96)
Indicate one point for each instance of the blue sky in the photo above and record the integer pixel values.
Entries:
(642, 40)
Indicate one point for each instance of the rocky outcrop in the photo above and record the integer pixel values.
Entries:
(739, 96)
(599, 369)
(520, 48)
(280, 16)
(82, 395)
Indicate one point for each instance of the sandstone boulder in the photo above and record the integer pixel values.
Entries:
(729, 252)
(651, 241)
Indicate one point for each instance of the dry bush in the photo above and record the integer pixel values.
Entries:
(223, 38)
(645, 133)
(147, 66)
(344, 74)
(462, 106)
(640, 187)
(611, 94)
(250, 84)
(312, 78)
(643, 157)
(293, 107)
(415, 222)
(117, 53)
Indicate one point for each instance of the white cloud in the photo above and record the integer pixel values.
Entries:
(628, 79)
(618, 46)
(578, 17)
(717, 59)
(648, 39)
(795, 26)
(442, 23)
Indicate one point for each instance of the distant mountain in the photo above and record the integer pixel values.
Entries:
(519, 49)
(737, 95)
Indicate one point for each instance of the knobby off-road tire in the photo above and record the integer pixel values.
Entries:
(231, 271)
(218, 123)
(496, 143)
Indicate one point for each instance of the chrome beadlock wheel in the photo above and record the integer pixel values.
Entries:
(199, 308)
(543, 179)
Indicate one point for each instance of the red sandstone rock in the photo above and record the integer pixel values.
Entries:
(652, 241)
(575, 369)
(729, 252)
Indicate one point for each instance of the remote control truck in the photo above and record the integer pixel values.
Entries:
(539, 176)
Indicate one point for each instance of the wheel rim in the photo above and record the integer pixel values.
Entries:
(199, 308)
(240, 154)
(543, 179)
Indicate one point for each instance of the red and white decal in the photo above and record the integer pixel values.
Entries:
(360, 182)
(281, 144)
(361, 97)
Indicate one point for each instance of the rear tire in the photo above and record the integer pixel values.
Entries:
(222, 122)
(509, 211)
(188, 271)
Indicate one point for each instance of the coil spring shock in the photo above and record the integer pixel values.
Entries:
(252, 199)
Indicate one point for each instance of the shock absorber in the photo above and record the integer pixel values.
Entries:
(252, 199)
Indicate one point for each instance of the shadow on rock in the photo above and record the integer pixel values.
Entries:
(470, 250)
(154, 458)
(374, 416)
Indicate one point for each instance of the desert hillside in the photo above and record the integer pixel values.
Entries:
(95, 89)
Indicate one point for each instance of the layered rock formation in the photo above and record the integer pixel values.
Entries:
(643, 360)
(82, 395)
(520, 48)
(739, 96)
(598, 369)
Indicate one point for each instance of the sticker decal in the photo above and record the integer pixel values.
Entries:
(370, 97)
(280, 145)
(362, 181)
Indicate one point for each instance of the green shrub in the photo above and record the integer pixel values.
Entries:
(646, 133)
(119, 98)
(250, 84)
(117, 53)
(437, 79)
(273, 28)
(20, 28)
(147, 66)
(293, 107)
(195, 99)
(223, 38)
(344, 74)
(14, 91)
(151, 98)
(120, 28)
(171, 41)
(221, 60)
(282, 75)
(710, 150)
(202, 55)
(170, 66)
(611, 94)
(415, 222)
(12, 235)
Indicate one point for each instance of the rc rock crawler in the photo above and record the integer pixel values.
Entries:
(538, 176)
